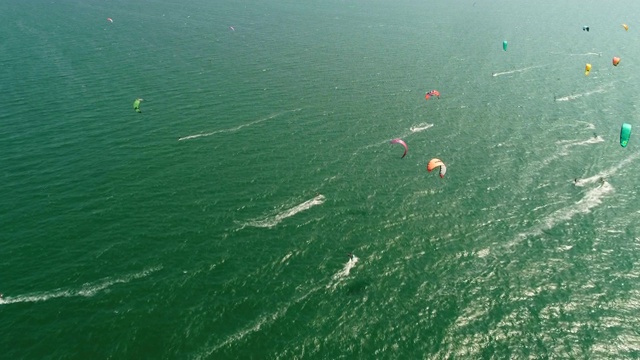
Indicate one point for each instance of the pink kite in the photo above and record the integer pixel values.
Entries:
(400, 141)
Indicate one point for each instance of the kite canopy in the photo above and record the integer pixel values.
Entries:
(136, 105)
(434, 163)
(432, 93)
(625, 134)
(400, 141)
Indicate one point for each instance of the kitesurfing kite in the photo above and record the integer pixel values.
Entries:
(232, 28)
(585, 28)
(504, 45)
(625, 134)
(110, 20)
(615, 61)
(587, 69)
(400, 141)
(136, 105)
(626, 27)
(434, 163)
(432, 93)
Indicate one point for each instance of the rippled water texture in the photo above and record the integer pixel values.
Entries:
(217, 223)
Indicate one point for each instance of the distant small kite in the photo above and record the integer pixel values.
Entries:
(431, 93)
(136, 105)
(232, 28)
(110, 20)
(625, 134)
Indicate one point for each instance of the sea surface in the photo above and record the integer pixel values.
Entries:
(217, 223)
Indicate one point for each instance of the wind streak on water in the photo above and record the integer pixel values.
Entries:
(576, 96)
(584, 54)
(234, 129)
(566, 144)
(87, 290)
(516, 71)
(272, 317)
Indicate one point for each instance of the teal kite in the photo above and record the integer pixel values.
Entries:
(625, 134)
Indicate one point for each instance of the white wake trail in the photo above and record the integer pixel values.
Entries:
(342, 274)
(87, 290)
(516, 70)
(239, 127)
(420, 127)
(577, 96)
(270, 318)
(272, 221)
(591, 199)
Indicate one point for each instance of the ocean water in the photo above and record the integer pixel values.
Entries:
(216, 223)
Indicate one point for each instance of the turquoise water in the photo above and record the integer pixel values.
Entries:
(216, 224)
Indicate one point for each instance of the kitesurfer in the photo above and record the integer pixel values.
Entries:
(350, 255)
(575, 181)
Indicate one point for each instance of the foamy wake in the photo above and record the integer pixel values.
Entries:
(87, 290)
(233, 129)
(577, 96)
(270, 318)
(599, 90)
(420, 127)
(516, 71)
(567, 144)
(272, 221)
(263, 320)
(342, 274)
(590, 126)
(591, 199)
